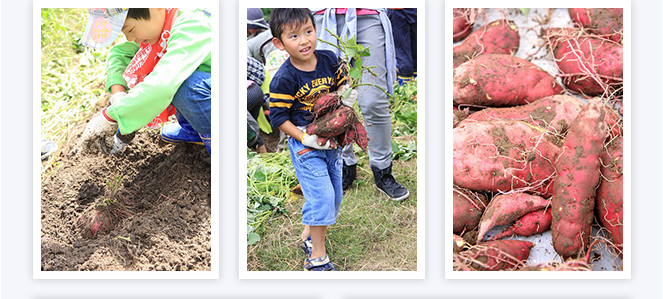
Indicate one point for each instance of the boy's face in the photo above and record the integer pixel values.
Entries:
(145, 31)
(299, 42)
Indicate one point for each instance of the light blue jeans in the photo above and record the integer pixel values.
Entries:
(193, 100)
(320, 173)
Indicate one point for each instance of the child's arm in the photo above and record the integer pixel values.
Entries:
(119, 57)
(189, 49)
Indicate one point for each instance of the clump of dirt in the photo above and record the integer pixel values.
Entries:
(163, 195)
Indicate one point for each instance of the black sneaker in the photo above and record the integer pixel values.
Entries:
(386, 183)
(349, 175)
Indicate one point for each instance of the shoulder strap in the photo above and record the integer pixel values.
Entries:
(262, 53)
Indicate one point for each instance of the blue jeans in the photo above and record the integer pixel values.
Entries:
(320, 174)
(193, 100)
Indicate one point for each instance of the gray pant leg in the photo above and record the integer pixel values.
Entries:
(374, 103)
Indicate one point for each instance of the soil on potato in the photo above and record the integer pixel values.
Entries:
(150, 204)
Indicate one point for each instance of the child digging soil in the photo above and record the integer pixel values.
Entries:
(164, 64)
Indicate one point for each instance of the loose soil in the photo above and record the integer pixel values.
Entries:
(158, 218)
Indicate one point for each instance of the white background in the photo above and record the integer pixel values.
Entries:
(16, 190)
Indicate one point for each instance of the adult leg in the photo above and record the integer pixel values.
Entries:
(402, 43)
(374, 105)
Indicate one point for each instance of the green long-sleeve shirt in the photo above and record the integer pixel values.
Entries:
(189, 49)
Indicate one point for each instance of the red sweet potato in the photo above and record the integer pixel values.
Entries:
(462, 25)
(588, 64)
(608, 22)
(578, 176)
(497, 80)
(506, 208)
(554, 113)
(468, 207)
(498, 37)
(532, 223)
(499, 156)
(610, 194)
(496, 255)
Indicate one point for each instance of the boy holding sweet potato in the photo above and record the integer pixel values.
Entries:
(307, 75)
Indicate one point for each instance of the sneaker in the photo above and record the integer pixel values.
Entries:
(319, 264)
(349, 175)
(386, 183)
(307, 246)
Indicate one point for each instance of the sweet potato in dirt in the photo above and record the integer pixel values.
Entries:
(608, 22)
(506, 208)
(578, 175)
(498, 80)
(468, 207)
(462, 26)
(610, 194)
(494, 256)
(498, 37)
(554, 113)
(532, 223)
(500, 156)
(588, 64)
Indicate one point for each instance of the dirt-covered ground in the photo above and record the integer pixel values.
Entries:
(145, 208)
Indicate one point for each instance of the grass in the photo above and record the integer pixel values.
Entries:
(72, 77)
(371, 233)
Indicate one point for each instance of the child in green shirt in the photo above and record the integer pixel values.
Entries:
(166, 61)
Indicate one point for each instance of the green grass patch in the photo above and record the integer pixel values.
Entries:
(72, 76)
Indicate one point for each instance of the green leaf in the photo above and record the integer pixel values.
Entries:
(253, 238)
(355, 74)
(259, 176)
(359, 63)
(524, 10)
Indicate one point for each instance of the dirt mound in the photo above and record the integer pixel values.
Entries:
(150, 205)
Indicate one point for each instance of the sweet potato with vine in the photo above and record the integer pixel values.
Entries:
(337, 123)
(608, 22)
(554, 113)
(532, 223)
(494, 256)
(500, 156)
(610, 194)
(498, 37)
(467, 210)
(578, 176)
(589, 65)
(498, 80)
(506, 208)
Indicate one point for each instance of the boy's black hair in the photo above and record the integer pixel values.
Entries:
(288, 16)
(139, 13)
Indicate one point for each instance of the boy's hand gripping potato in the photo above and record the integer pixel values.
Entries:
(311, 140)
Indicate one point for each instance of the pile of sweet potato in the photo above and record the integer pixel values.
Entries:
(538, 151)
(337, 123)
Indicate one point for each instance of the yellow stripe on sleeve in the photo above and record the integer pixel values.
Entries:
(280, 104)
(280, 96)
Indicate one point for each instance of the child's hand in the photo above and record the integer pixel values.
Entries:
(99, 129)
(351, 97)
(312, 141)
